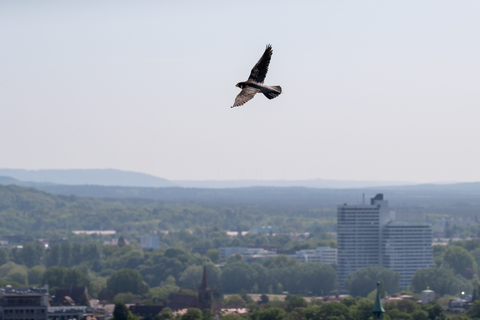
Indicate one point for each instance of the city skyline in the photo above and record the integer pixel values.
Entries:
(368, 234)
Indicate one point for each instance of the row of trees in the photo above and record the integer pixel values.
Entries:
(156, 266)
(213, 237)
(454, 269)
(181, 269)
(277, 275)
(297, 308)
(463, 258)
(127, 283)
(27, 265)
(65, 254)
(441, 280)
(68, 254)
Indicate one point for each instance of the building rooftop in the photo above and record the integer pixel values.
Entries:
(70, 309)
(23, 291)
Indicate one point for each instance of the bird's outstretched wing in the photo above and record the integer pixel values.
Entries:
(245, 95)
(259, 71)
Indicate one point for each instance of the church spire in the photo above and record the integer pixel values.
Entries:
(204, 292)
(204, 285)
(378, 310)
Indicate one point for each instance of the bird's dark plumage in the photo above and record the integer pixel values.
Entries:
(259, 71)
(254, 84)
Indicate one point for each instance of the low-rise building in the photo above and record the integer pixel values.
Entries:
(114, 242)
(70, 312)
(234, 234)
(260, 257)
(23, 303)
(150, 242)
(428, 296)
(101, 232)
(263, 229)
(226, 252)
(73, 296)
(324, 255)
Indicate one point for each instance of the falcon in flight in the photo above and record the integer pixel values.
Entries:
(254, 84)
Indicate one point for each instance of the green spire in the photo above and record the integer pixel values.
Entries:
(378, 310)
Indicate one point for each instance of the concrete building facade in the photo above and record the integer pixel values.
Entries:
(407, 247)
(359, 235)
(23, 303)
(70, 312)
(324, 255)
(150, 242)
(368, 236)
(428, 296)
(263, 229)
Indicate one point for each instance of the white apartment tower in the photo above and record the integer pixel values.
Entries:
(359, 235)
(407, 247)
(367, 237)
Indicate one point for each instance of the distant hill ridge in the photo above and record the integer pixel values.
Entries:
(313, 183)
(119, 178)
(101, 177)
(443, 198)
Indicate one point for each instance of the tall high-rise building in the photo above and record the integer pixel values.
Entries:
(367, 237)
(359, 235)
(406, 247)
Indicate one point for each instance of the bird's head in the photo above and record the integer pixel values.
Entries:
(239, 85)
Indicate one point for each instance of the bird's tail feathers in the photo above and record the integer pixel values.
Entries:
(272, 92)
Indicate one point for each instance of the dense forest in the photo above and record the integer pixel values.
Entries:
(36, 213)
(417, 195)
(461, 200)
(39, 214)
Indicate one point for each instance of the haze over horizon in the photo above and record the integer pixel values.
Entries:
(114, 177)
(373, 91)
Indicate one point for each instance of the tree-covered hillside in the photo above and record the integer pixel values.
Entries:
(26, 210)
(36, 213)
(460, 200)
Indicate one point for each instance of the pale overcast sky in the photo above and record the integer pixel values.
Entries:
(373, 90)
